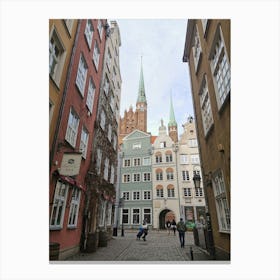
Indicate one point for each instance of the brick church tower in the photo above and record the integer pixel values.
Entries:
(138, 119)
(172, 125)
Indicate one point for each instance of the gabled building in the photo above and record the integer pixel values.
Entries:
(165, 181)
(136, 180)
(72, 146)
(207, 52)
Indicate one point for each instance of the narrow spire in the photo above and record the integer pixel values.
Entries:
(172, 121)
(141, 90)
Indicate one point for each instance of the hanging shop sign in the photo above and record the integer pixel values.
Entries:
(70, 165)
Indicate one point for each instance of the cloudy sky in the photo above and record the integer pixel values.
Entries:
(161, 43)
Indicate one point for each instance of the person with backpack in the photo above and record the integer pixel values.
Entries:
(181, 227)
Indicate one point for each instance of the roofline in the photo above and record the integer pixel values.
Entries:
(188, 40)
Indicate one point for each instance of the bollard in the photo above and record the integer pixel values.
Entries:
(122, 231)
(191, 252)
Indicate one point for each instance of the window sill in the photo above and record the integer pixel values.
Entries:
(71, 227)
(55, 228)
(224, 231)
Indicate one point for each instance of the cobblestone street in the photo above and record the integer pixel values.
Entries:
(159, 247)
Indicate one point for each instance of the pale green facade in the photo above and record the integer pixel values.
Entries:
(136, 180)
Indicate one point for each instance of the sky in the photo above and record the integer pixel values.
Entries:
(160, 42)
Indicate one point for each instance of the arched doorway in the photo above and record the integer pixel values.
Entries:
(165, 215)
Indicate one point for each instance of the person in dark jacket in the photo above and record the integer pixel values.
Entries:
(181, 227)
(173, 226)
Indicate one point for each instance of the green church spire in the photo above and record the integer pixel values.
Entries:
(141, 90)
(172, 121)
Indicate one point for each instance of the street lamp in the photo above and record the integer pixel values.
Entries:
(196, 180)
(121, 206)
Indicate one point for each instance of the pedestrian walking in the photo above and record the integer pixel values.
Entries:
(181, 227)
(140, 232)
(168, 226)
(145, 230)
(173, 226)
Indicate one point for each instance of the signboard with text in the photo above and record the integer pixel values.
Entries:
(70, 165)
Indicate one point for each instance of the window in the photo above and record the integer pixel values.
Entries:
(112, 176)
(147, 161)
(90, 95)
(106, 169)
(136, 177)
(102, 210)
(98, 161)
(169, 174)
(183, 159)
(57, 56)
(192, 143)
(51, 109)
(114, 77)
(69, 24)
(159, 175)
(112, 102)
(84, 142)
(146, 177)
(198, 192)
(206, 111)
(109, 214)
(89, 32)
(100, 28)
(221, 202)
(170, 191)
(109, 132)
(81, 75)
(147, 215)
(106, 85)
(162, 144)
(74, 208)
(146, 195)
(158, 157)
(159, 190)
(168, 156)
(125, 213)
(59, 204)
(187, 192)
(195, 159)
(109, 60)
(185, 175)
(136, 146)
(136, 161)
(126, 163)
(136, 216)
(220, 67)
(126, 178)
(96, 54)
(72, 128)
(115, 142)
(136, 195)
(125, 195)
(196, 49)
(102, 120)
(204, 25)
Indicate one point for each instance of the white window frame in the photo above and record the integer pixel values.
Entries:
(169, 175)
(84, 142)
(136, 146)
(126, 214)
(205, 106)
(103, 119)
(109, 132)
(218, 60)
(138, 214)
(59, 202)
(168, 158)
(100, 28)
(195, 159)
(146, 161)
(193, 143)
(90, 95)
(162, 144)
(98, 160)
(196, 49)
(109, 214)
(187, 192)
(171, 192)
(102, 212)
(184, 159)
(149, 214)
(159, 193)
(72, 128)
(185, 175)
(136, 195)
(158, 158)
(96, 55)
(147, 193)
(205, 23)
(147, 177)
(115, 142)
(198, 192)
(74, 208)
(126, 195)
(126, 162)
(112, 175)
(81, 77)
(69, 24)
(106, 169)
(136, 177)
(57, 55)
(89, 32)
(136, 161)
(159, 176)
(106, 85)
(109, 60)
(222, 208)
(128, 178)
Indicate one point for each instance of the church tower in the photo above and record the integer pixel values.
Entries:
(141, 104)
(135, 119)
(172, 125)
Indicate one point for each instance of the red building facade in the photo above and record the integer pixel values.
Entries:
(71, 157)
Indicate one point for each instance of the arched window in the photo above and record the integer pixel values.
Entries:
(159, 174)
(158, 157)
(169, 174)
(168, 156)
(170, 191)
(159, 189)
